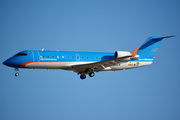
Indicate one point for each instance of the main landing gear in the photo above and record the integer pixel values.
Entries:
(83, 75)
(16, 74)
(91, 74)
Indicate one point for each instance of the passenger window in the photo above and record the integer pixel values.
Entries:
(91, 57)
(47, 56)
(73, 57)
(52, 56)
(96, 57)
(68, 57)
(43, 56)
(82, 57)
(87, 57)
(57, 56)
(62, 56)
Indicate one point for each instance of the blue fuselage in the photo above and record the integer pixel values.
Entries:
(28, 56)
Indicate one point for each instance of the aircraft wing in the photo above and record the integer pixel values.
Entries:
(98, 66)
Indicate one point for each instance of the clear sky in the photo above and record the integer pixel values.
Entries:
(147, 93)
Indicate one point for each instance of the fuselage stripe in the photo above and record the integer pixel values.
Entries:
(24, 64)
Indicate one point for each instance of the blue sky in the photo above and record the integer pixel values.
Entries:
(146, 93)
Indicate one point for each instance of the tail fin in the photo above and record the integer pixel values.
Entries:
(150, 47)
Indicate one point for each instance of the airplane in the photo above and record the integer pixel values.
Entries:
(86, 63)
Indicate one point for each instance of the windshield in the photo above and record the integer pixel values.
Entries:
(21, 54)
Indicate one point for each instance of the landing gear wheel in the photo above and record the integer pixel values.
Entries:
(91, 74)
(16, 74)
(83, 76)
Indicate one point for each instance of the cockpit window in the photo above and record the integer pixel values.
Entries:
(21, 54)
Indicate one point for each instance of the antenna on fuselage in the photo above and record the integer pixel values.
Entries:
(42, 49)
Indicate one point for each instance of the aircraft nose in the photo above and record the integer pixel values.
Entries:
(8, 62)
(5, 62)
(12, 62)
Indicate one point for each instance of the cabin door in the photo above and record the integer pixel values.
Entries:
(35, 56)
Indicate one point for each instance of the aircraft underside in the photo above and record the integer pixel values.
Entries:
(90, 71)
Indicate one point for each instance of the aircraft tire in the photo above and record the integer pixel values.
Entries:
(83, 76)
(91, 74)
(16, 74)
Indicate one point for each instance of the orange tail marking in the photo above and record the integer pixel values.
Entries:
(134, 52)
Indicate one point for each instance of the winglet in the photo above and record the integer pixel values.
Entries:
(134, 52)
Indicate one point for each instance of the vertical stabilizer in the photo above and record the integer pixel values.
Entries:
(150, 47)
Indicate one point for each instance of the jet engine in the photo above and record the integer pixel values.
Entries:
(119, 54)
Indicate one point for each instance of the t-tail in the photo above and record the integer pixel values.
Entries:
(150, 47)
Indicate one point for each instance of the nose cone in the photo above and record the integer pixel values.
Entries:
(11, 62)
(6, 62)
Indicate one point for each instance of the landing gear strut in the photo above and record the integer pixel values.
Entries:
(16, 74)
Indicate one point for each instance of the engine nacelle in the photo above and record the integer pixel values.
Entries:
(119, 54)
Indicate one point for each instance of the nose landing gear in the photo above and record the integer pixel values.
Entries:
(16, 74)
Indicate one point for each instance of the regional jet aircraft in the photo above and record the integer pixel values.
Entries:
(86, 62)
